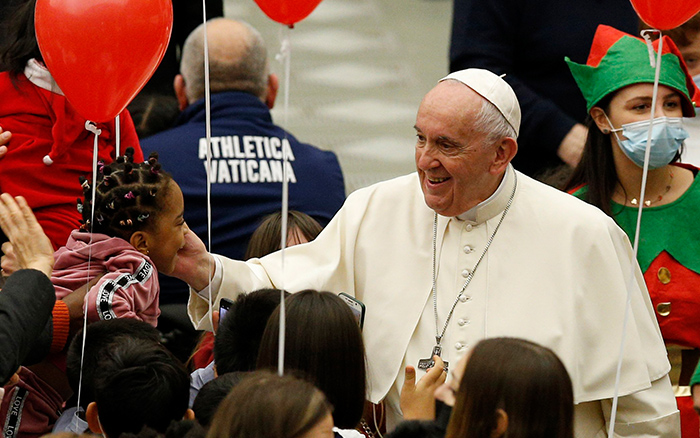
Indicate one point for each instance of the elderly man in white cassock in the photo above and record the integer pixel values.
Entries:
(468, 248)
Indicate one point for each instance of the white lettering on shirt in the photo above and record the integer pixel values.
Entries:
(247, 159)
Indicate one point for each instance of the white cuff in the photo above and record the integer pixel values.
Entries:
(215, 283)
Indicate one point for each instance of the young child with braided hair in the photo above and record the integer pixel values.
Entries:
(137, 230)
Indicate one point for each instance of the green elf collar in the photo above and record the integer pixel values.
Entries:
(670, 227)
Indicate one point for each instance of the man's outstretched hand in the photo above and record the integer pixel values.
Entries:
(195, 266)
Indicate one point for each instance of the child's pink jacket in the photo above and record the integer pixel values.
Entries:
(129, 288)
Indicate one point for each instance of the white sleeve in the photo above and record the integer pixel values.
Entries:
(651, 412)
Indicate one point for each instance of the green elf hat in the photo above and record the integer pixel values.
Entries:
(618, 59)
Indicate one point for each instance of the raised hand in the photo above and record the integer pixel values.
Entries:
(31, 248)
(417, 399)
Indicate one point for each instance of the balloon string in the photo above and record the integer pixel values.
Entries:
(284, 56)
(117, 127)
(90, 126)
(642, 194)
(207, 107)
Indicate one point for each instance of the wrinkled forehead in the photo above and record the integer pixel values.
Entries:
(450, 106)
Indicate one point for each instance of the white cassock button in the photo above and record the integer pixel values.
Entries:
(466, 272)
(459, 345)
(468, 249)
(468, 227)
(462, 322)
(463, 298)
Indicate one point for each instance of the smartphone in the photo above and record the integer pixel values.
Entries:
(224, 306)
(357, 307)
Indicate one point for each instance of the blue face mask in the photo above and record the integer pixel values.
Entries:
(667, 136)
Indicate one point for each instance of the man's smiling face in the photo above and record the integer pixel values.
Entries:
(452, 159)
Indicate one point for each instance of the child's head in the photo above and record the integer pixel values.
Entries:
(321, 321)
(238, 338)
(301, 228)
(687, 38)
(212, 394)
(513, 387)
(101, 336)
(141, 204)
(137, 383)
(265, 405)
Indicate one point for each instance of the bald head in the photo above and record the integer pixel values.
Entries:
(237, 59)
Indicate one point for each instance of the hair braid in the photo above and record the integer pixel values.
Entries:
(128, 196)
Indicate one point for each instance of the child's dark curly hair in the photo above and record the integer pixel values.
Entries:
(128, 196)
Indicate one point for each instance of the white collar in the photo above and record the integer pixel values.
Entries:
(494, 204)
(40, 76)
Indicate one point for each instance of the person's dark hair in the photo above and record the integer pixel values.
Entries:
(265, 405)
(417, 429)
(597, 166)
(266, 238)
(100, 336)
(525, 380)
(153, 113)
(596, 170)
(212, 394)
(323, 341)
(177, 429)
(139, 383)
(185, 429)
(238, 338)
(21, 44)
(128, 196)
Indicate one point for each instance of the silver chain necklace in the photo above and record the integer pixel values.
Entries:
(425, 364)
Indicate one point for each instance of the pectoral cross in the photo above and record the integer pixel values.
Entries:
(426, 364)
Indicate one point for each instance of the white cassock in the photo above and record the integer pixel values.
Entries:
(555, 274)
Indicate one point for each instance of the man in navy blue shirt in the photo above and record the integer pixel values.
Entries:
(247, 147)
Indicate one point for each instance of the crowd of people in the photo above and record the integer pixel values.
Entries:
(465, 300)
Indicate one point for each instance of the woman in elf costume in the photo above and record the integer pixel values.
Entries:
(617, 82)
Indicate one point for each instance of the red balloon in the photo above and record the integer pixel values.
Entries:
(666, 14)
(287, 11)
(102, 52)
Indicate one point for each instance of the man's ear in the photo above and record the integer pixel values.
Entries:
(139, 240)
(273, 84)
(189, 415)
(504, 153)
(180, 91)
(92, 418)
(501, 424)
(598, 116)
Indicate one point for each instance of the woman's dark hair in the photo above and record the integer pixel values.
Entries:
(266, 238)
(323, 341)
(596, 170)
(597, 166)
(525, 380)
(265, 405)
(20, 45)
(128, 196)
(153, 113)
